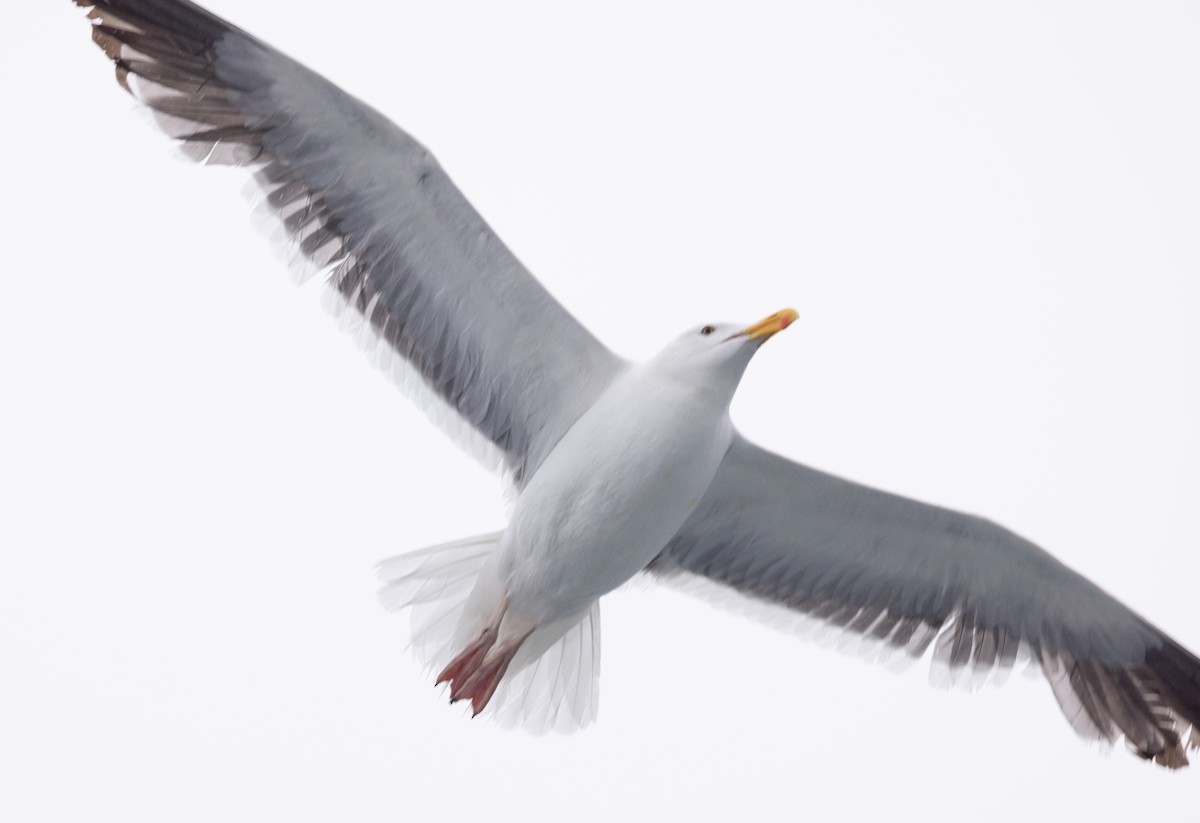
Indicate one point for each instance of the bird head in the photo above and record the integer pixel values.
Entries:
(716, 354)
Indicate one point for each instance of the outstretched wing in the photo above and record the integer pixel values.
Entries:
(365, 201)
(912, 575)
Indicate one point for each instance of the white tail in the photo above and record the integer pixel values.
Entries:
(552, 683)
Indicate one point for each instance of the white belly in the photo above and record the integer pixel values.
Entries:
(611, 495)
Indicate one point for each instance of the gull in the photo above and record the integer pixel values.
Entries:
(618, 469)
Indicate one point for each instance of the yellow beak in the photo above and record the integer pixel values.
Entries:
(768, 326)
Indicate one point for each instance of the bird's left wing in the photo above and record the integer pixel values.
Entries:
(366, 202)
(910, 575)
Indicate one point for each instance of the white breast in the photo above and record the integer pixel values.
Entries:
(616, 488)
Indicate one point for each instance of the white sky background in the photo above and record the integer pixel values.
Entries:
(986, 216)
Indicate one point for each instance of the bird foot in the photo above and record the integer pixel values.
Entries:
(481, 685)
(477, 671)
(468, 659)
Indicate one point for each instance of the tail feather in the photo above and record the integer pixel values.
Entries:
(547, 682)
(433, 585)
(553, 684)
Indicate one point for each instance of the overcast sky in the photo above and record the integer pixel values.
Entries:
(987, 219)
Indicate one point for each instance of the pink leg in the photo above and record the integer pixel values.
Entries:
(468, 659)
(479, 686)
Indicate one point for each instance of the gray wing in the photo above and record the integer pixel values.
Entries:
(366, 202)
(912, 575)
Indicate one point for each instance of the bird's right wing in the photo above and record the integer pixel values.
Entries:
(364, 200)
(911, 575)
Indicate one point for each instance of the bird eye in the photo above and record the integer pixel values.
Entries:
(707, 330)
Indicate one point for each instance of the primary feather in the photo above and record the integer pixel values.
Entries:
(365, 201)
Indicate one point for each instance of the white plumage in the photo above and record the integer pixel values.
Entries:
(607, 499)
(618, 468)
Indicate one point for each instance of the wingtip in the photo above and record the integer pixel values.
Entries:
(1172, 757)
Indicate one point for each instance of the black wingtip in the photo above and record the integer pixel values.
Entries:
(179, 17)
(1179, 671)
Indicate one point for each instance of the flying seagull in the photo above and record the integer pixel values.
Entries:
(618, 468)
